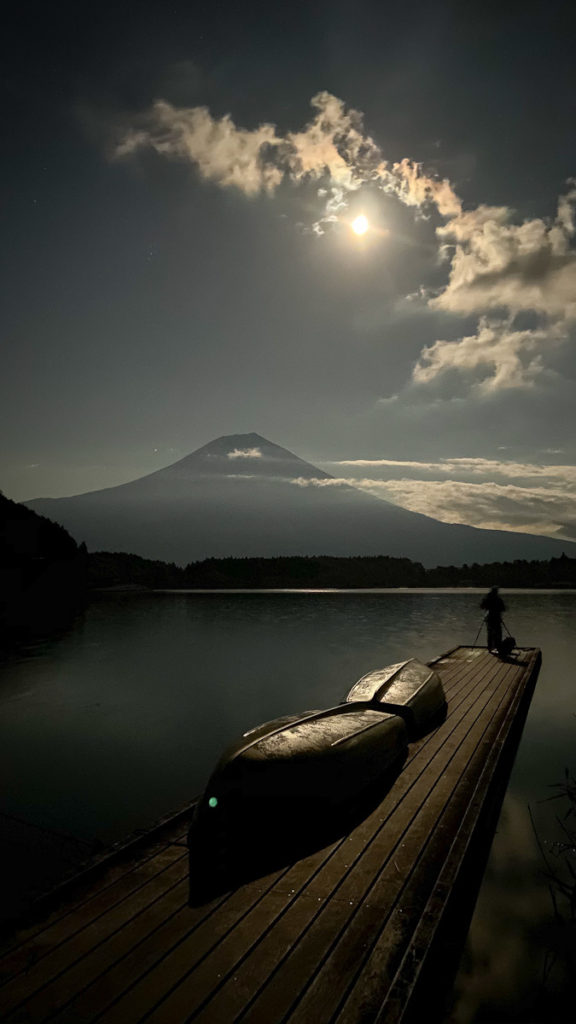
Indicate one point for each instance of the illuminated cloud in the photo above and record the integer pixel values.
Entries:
(222, 152)
(537, 509)
(495, 263)
(333, 149)
(471, 467)
(528, 498)
(494, 358)
(245, 453)
(488, 505)
(334, 143)
(415, 188)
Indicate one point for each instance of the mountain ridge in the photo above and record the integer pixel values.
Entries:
(241, 495)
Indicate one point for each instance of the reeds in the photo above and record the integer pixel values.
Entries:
(559, 858)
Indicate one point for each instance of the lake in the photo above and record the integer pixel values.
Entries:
(118, 721)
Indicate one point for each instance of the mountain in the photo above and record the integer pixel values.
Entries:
(242, 495)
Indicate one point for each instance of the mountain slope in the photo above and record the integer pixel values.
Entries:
(242, 495)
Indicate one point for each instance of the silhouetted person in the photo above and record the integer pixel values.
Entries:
(493, 605)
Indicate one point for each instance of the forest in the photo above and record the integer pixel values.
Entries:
(106, 569)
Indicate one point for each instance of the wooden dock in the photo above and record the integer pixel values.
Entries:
(351, 933)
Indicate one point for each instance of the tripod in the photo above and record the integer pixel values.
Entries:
(483, 622)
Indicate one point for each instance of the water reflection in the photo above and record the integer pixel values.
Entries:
(514, 967)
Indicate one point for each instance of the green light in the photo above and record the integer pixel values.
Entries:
(213, 802)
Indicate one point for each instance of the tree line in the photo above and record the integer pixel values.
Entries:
(117, 569)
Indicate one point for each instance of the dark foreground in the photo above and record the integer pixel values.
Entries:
(363, 927)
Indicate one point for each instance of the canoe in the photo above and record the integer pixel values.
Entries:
(410, 689)
(316, 756)
(288, 777)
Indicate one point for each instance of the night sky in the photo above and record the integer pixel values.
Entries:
(180, 182)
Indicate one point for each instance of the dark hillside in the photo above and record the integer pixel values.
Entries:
(42, 571)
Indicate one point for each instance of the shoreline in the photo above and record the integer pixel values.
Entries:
(131, 590)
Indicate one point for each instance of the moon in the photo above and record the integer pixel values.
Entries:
(360, 225)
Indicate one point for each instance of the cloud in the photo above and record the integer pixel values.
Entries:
(495, 263)
(222, 152)
(486, 493)
(415, 188)
(544, 503)
(548, 511)
(333, 149)
(492, 263)
(488, 505)
(245, 453)
(564, 474)
(496, 357)
(331, 481)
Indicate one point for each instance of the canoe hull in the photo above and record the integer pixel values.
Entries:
(287, 781)
(410, 689)
(319, 758)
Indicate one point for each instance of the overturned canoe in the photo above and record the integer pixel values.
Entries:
(317, 756)
(286, 779)
(409, 689)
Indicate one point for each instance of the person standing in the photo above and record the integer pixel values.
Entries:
(493, 605)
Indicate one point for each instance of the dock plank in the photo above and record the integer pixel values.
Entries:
(135, 959)
(212, 939)
(340, 935)
(41, 985)
(401, 894)
(48, 928)
(376, 882)
(34, 942)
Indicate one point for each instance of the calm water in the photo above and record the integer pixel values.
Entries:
(110, 726)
